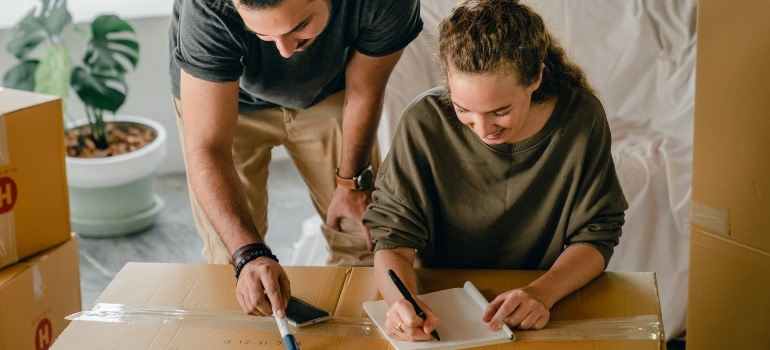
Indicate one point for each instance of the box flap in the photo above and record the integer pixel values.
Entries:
(194, 306)
(211, 286)
(731, 169)
(616, 303)
(12, 100)
(7, 274)
(729, 284)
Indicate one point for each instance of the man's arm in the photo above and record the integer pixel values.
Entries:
(209, 117)
(365, 81)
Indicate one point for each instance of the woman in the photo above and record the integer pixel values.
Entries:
(507, 166)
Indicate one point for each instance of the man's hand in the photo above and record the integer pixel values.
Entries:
(259, 278)
(351, 204)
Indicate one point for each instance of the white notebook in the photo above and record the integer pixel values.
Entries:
(460, 311)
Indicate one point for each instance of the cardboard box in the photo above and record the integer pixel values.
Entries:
(35, 296)
(182, 306)
(730, 231)
(34, 207)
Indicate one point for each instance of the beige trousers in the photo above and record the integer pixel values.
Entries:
(313, 139)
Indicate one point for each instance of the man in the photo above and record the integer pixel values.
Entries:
(248, 75)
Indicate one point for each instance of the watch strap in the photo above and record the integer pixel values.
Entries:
(344, 182)
(354, 183)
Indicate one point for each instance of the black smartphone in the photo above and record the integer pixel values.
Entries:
(300, 313)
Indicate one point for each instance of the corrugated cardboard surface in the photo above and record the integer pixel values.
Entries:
(34, 207)
(732, 284)
(611, 295)
(731, 166)
(207, 291)
(35, 296)
(730, 236)
(197, 287)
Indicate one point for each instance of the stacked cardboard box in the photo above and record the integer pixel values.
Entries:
(730, 235)
(34, 208)
(36, 294)
(193, 306)
(39, 273)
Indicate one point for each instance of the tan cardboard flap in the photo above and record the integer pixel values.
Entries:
(730, 284)
(611, 298)
(210, 286)
(613, 294)
(731, 166)
(214, 319)
(12, 100)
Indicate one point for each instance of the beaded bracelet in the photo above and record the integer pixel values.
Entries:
(248, 253)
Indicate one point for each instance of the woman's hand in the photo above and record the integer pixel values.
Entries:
(522, 308)
(403, 323)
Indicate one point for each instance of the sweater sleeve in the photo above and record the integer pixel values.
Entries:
(599, 213)
(398, 215)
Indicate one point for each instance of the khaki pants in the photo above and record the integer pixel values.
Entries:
(313, 139)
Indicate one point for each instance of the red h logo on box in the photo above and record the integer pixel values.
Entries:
(43, 335)
(8, 193)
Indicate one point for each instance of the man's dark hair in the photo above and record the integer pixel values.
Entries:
(250, 4)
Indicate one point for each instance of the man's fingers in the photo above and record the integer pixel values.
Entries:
(256, 298)
(367, 237)
(244, 301)
(333, 222)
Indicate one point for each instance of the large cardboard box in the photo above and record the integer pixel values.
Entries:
(36, 294)
(730, 231)
(183, 306)
(34, 208)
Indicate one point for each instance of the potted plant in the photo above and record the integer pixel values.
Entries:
(111, 159)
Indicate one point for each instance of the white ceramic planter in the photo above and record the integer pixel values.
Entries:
(114, 196)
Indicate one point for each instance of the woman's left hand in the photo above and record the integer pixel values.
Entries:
(521, 308)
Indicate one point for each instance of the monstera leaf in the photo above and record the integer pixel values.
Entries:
(52, 75)
(112, 47)
(39, 25)
(21, 76)
(105, 92)
(42, 24)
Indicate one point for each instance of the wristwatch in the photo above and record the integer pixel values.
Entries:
(361, 182)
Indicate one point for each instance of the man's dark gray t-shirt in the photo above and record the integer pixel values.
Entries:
(212, 44)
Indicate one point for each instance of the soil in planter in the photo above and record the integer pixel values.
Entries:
(122, 137)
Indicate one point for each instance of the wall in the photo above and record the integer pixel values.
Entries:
(85, 10)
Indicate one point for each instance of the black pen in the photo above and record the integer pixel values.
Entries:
(408, 296)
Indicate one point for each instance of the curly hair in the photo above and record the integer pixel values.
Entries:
(486, 36)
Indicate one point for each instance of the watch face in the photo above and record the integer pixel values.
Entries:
(364, 181)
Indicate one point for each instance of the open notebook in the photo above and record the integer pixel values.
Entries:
(460, 311)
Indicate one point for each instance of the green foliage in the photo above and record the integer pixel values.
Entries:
(98, 80)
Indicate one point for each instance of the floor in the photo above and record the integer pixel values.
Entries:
(173, 238)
